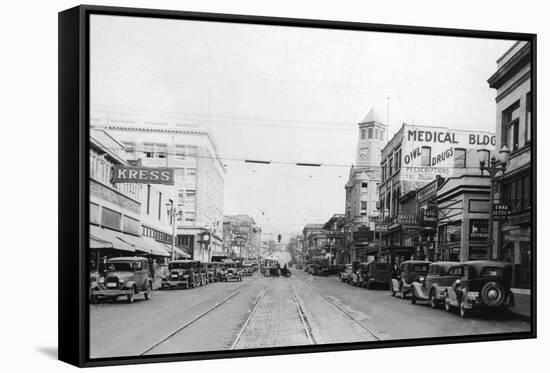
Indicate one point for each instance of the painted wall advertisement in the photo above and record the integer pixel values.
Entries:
(430, 151)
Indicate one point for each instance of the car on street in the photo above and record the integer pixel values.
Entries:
(182, 273)
(345, 275)
(433, 287)
(375, 274)
(124, 276)
(483, 285)
(409, 271)
(232, 271)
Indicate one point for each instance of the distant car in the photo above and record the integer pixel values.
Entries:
(345, 275)
(232, 271)
(483, 285)
(433, 287)
(375, 274)
(124, 276)
(409, 272)
(183, 273)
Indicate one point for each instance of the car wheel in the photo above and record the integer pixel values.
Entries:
(463, 311)
(433, 303)
(130, 296)
(147, 294)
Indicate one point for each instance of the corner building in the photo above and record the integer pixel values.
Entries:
(198, 175)
(514, 128)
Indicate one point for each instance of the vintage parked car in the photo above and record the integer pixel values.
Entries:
(409, 272)
(375, 274)
(124, 276)
(330, 270)
(433, 287)
(247, 270)
(232, 271)
(483, 285)
(182, 273)
(315, 269)
(345, 275)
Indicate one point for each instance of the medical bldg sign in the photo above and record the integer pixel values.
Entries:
(430, 151)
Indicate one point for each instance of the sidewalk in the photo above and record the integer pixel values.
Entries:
(522, 298)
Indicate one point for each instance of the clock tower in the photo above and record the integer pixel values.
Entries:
(372, 137)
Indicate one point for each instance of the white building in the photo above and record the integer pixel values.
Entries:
(362, 185)
(199, 175)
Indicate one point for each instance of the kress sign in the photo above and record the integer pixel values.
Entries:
(143, 175)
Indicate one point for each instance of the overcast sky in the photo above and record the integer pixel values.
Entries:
(287, 95)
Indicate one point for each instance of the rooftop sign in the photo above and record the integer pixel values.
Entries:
(143, 175)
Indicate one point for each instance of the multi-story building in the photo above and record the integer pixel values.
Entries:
(119, 221)
(413, 158)
(242, 237)
(312, 236)
(334, 231)
(198, 175)
(514, 128)
(362, 187)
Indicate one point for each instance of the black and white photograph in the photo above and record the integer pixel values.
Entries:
(263, 186)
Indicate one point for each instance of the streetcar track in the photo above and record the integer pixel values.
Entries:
(303, 318)
(198, 317)
(375, 334)
(249, 318)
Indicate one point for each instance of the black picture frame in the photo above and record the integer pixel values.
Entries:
(74, 82)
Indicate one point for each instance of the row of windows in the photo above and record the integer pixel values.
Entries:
(511, 125)
(372, 132)
(517, 193)
(157, 235)
(151, 150)
(102, 171)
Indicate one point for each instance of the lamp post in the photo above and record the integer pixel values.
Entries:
(380, 219)
(490, 165)
(173, 212)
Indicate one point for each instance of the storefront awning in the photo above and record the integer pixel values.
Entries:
(155, 247)
(179, 252)
(104, 236)
(99, 244)
(137, 242)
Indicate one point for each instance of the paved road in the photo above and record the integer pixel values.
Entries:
(265, 312)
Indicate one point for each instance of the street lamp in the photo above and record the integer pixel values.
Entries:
(173, 212)
(493, 168)
(381, 218)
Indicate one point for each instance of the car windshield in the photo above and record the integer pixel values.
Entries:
(120, 266)
(420, 268)
(180, 265)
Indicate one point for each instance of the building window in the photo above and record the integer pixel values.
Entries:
(381, 134)
(180, 153)
(376, 133)
(160, 206)
(460, 158)
(510, 120)
(384, 172)
(528, 118)
(364, 187)
(370, 133)
(363, 208)
(189, 216)
(191, 171)
(398, 160)
(517, 193)
(110, 218)
(426, 155)
(148, 198)
(192, 151)
(390, 164)
(129, 149)
(363, 133)
(149, 150)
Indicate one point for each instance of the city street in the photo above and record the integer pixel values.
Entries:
(272, 312)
